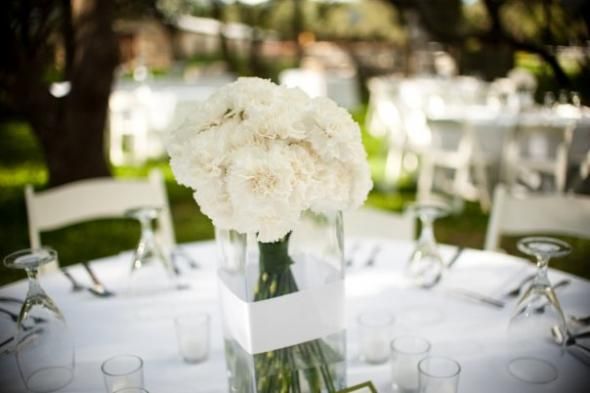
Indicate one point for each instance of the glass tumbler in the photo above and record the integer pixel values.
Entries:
(406, 353)
(375, 333)
(438, 374)
(122, 372)
(192, 333)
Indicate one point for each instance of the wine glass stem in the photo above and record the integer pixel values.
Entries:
(541, 279)
(146, 229)
(426, 234)
(542, 283)
(34, 286)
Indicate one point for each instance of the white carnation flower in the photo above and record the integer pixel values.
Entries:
(215, 203)
(332, 132)
(258, 155)
(259, 176)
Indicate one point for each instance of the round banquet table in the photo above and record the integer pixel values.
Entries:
(457, 326)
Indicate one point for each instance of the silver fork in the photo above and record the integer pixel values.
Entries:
(584, 321)
(351, 253)
(97, 287)
(517, 289)
(76, 286)
(455, 257)
(373, 255)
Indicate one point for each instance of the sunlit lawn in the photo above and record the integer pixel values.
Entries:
(21, 163)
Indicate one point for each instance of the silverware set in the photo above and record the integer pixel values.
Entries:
(517, 290)
(368, 262)
(471, 295)
(514, 292)
(376, 250)
(180, 254)
(499, 303)
(97, 288)
(475, 296)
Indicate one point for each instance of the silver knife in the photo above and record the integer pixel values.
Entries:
(455, 257)
(467, 294)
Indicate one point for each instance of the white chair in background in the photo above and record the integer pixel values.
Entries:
(384, 121)
(555, 214)
(128, 129)
(92, 199)
(454, 149)
(312, 82)
(536, 150)
(375, 223)
(382, 114)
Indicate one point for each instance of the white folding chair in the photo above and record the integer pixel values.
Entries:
(370, 222)
(454, 148)
(555, 214)
(91, 199)
(538, 149)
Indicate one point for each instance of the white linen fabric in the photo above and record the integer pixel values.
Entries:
(470, 332)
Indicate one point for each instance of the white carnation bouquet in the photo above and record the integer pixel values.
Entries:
(258, 155)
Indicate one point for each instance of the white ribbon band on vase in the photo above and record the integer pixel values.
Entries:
(296, 318)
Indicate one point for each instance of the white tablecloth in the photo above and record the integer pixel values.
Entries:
(472, 333)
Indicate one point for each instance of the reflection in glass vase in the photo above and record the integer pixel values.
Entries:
(44, 347)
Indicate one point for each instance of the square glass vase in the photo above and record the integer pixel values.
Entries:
(283, 308)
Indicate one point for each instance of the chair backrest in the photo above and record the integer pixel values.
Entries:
(369, 222)
(91, 199)
(447, 134)
(556, 214)
(539, 141)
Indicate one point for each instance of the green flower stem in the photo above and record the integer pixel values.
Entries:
(279, 370)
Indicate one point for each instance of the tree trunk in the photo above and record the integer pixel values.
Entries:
(73, 139)
(217, 10)
(69, 126)
(298, 24)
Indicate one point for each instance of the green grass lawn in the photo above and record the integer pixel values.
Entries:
(21, 162)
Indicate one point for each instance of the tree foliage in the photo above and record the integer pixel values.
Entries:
(534, 26)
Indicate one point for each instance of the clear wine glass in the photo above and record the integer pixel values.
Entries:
(426, 265)
(150, 261)
(537, 313)
(44, 347)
